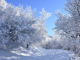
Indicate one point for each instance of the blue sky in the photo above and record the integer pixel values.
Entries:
(49, 6)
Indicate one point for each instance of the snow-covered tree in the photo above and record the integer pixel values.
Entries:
(3, 4)
(69, 26)
(41, 27)
(19, 26)
(15, 25)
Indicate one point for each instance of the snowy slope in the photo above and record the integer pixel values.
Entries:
(36, 54)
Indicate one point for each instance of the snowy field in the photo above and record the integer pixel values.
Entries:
(36, 54)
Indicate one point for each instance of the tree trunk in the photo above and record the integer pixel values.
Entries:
(27, 45)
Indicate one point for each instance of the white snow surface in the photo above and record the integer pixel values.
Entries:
(36, 54)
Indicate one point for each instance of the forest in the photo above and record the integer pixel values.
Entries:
(21, 27)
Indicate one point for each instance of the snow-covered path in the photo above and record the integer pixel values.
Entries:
(36, 54)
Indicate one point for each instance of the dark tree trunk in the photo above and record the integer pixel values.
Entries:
(27, 45)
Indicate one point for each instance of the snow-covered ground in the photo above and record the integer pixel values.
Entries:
(36, 54)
